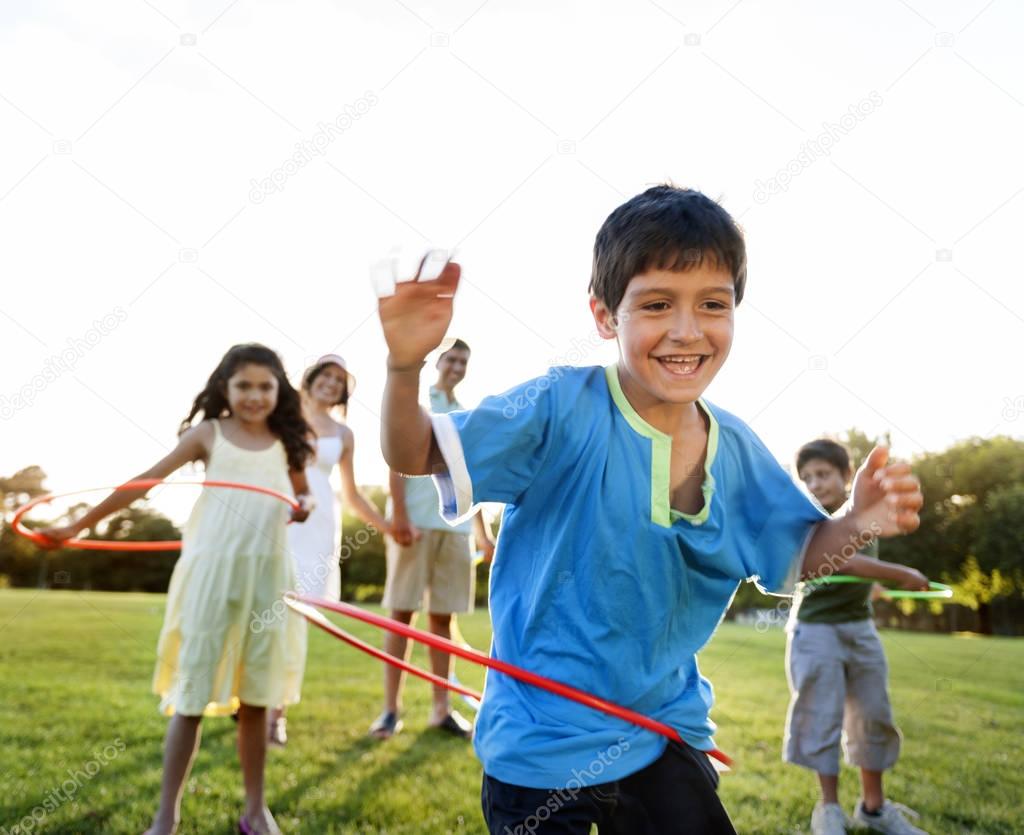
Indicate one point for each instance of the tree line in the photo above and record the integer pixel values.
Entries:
(971, 536)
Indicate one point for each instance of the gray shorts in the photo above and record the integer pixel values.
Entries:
(838, 680)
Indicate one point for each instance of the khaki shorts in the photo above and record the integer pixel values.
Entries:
(838, 678)
(440, 563)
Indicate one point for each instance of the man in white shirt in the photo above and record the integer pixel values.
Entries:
(427, 555)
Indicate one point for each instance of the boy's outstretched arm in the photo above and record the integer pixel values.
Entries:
(885, 502)
(414, 319)
(903, 576)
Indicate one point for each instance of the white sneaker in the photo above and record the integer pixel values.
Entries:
(891, 820)
(828, 819)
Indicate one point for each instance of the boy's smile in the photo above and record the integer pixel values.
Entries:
(674, 331)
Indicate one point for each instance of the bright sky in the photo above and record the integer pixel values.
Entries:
(885, 288)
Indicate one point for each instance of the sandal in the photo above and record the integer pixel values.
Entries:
(278, 735)
(386, 725)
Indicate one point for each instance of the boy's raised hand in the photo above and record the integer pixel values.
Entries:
(415, 317)
(886, 497)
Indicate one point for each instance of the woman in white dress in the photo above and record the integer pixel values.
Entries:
(314, 545)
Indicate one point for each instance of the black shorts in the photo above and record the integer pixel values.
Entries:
(677, 793)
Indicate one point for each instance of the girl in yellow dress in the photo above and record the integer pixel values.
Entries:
(228, 641)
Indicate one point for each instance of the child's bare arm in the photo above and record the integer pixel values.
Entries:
(192, 446)
(906, 577)
(406, 436)
(414, 319)
(886, 501)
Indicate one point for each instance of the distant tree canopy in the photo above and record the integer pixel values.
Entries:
(971, 535)
(972, 524)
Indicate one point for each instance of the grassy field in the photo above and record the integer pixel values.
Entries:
(74, 696)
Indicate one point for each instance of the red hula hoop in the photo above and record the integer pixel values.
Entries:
(477, 657)
(123, 544)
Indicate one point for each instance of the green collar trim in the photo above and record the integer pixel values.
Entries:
(662, 513)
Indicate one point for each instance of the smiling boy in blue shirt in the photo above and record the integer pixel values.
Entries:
(634, 510)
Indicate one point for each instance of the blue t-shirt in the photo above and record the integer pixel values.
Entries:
(597, 582)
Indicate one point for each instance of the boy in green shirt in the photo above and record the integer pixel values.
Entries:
(837, 670)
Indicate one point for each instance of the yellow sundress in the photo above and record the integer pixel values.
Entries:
(228, 636)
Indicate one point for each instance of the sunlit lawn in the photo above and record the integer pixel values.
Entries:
(75, 696)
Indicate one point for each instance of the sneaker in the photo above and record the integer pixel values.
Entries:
(456, 725)
(828, 819)
(891, 819)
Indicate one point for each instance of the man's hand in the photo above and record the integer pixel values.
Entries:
(403, 531)
(416, 316)
(886, 497)
(486, 549)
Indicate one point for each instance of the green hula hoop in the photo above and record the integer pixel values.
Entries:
(936, 591)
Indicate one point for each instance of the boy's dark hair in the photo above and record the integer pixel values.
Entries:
(286, 421)
(827, 450)
(665, 228)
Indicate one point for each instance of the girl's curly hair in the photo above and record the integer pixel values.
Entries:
(286, 421)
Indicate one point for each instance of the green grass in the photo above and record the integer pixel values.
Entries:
(76, 679)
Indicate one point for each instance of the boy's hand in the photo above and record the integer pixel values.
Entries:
(912, 580)
(886, 497)
(416, 316)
